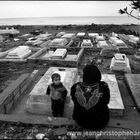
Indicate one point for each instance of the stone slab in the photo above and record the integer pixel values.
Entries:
(119, 63)
(36, 119)
(133, 82)
(40, 103)
(19, 52)
(69, 60)
(115, 105)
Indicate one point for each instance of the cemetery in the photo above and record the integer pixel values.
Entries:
(25, 99)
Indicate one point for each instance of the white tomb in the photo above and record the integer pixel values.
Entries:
(120, 63)
(20, 52)
(58, 42)
(114, 34)
(119, 43)
(80, 34)
(100, 38)
(93, 34)
(115, 105)
(86, 43)
(60, 34)
(113, 38)
(108, 52)
(44, 37)
(133, 39)
(137, 55)
(34, 41)
(68, 35)
(59, 53)
(102, 44)
(40, 103)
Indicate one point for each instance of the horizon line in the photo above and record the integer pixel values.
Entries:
(64, 16)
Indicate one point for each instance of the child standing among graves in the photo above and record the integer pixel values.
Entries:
(58, 94)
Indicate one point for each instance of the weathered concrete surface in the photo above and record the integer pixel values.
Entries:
(120, 63)
(133, 82)
(38, 102)
(70, 59)
(115, 105)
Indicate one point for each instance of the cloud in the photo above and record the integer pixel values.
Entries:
(11, 9)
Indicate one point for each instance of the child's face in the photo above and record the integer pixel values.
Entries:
(56, 81)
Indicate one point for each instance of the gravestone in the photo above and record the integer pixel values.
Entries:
(120, 63)
(59, 53)
(19, 52)
(40, 103)
(115, 105)
(133, 82)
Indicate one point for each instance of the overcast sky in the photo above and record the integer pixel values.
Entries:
(11, 9)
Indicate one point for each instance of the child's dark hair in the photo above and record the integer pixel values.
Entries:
(55, 75)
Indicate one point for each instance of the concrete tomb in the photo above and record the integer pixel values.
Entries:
(40, 103)
(93, 34)
(60, 57)
(113, 38)
(34, 41)
(57, 54)
(133, 39)
(136, 56)
(114, 34)
(115, 105)
(58, 42)
(133, 82)
(99, 38)
(86, 43)
(80, 34)
(20, 52)
(68, 35)
(119, 43)
(102, 44)
(120, 63)
(44, 37)
(108, 52)
(60, 34)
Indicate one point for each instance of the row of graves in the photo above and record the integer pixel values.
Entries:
(38, 103)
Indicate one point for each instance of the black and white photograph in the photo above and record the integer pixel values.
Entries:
(70, 70)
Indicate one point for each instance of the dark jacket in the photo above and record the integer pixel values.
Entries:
(57, 91)
(90, 104)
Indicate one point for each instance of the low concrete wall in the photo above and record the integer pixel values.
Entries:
(11, 94)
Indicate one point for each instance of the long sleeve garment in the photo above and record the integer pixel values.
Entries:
(90, 104)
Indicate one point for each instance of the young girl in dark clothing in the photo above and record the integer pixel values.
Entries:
(91, 98)
(58, 93)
